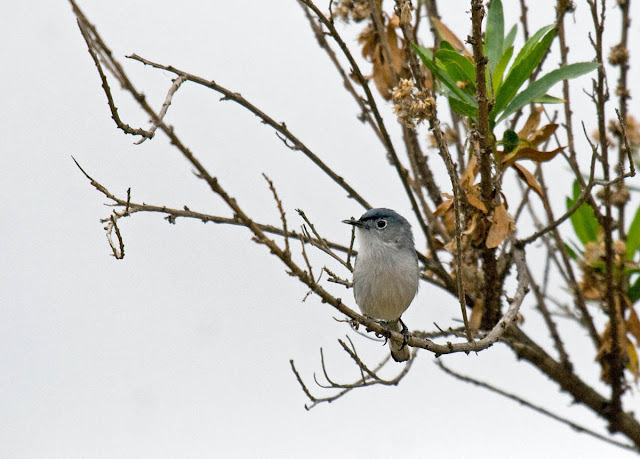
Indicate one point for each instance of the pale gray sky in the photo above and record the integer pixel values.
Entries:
(182, 348)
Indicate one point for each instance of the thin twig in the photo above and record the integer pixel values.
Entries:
(282, 213)
(551, 325)
(534, 407)
(165, 106)
(584, 195)
(401, 171)
(88, 37)
(365, 112)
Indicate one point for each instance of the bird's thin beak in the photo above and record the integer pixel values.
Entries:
(352, 222)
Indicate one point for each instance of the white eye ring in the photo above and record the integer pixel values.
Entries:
(381, 224)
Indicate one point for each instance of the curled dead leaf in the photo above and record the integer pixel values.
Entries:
(528, 177)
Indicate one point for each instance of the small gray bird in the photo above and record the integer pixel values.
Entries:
(385, 276)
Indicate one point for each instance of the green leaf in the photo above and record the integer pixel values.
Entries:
(500, 68)
(510, 38)
(584, 222)
(445, 79)
(444, 44)
(634, 291)
(547, 99)
(494, 34)
(572, 254)
(426, 52)
(539, 87)
(462, 63)
(527, 60)
(633, 236)
(462, 108)
(532, 42)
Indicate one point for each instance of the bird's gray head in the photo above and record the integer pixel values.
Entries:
(383, 225)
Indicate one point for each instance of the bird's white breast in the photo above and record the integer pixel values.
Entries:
(385, 277)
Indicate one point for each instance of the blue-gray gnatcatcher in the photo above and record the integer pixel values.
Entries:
(385, 276)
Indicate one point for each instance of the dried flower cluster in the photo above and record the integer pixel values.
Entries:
(593, 283)
(410, 105)
(633, 132)
(618, 55)
(356, 10)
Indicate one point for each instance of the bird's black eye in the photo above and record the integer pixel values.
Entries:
(381, 223)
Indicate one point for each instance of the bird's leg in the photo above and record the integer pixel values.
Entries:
(405, 334)
(386, 325)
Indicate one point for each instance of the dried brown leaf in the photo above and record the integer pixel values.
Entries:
(632, 365)
(447, 35)
(470, 173)
(372, 51)
(472, 225)
(382, 75)
(500, 228)
(528, 177)
(530, 153)
(531, 124)
(476, 202)
(542, 134)
(476, 229)
(394, 21)
(476, 315)
(633, 325)
(605, 355)
(396, 48)
(443, 208)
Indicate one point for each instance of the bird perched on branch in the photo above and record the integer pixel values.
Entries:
(385, 275)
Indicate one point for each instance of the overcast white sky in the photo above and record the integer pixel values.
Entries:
(183, 347)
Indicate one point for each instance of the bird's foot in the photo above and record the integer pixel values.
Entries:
(405, 334)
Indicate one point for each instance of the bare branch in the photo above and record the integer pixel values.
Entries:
(368, 377)
(177, 82)
(88, 33)
(537, 408)
(279, 127)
